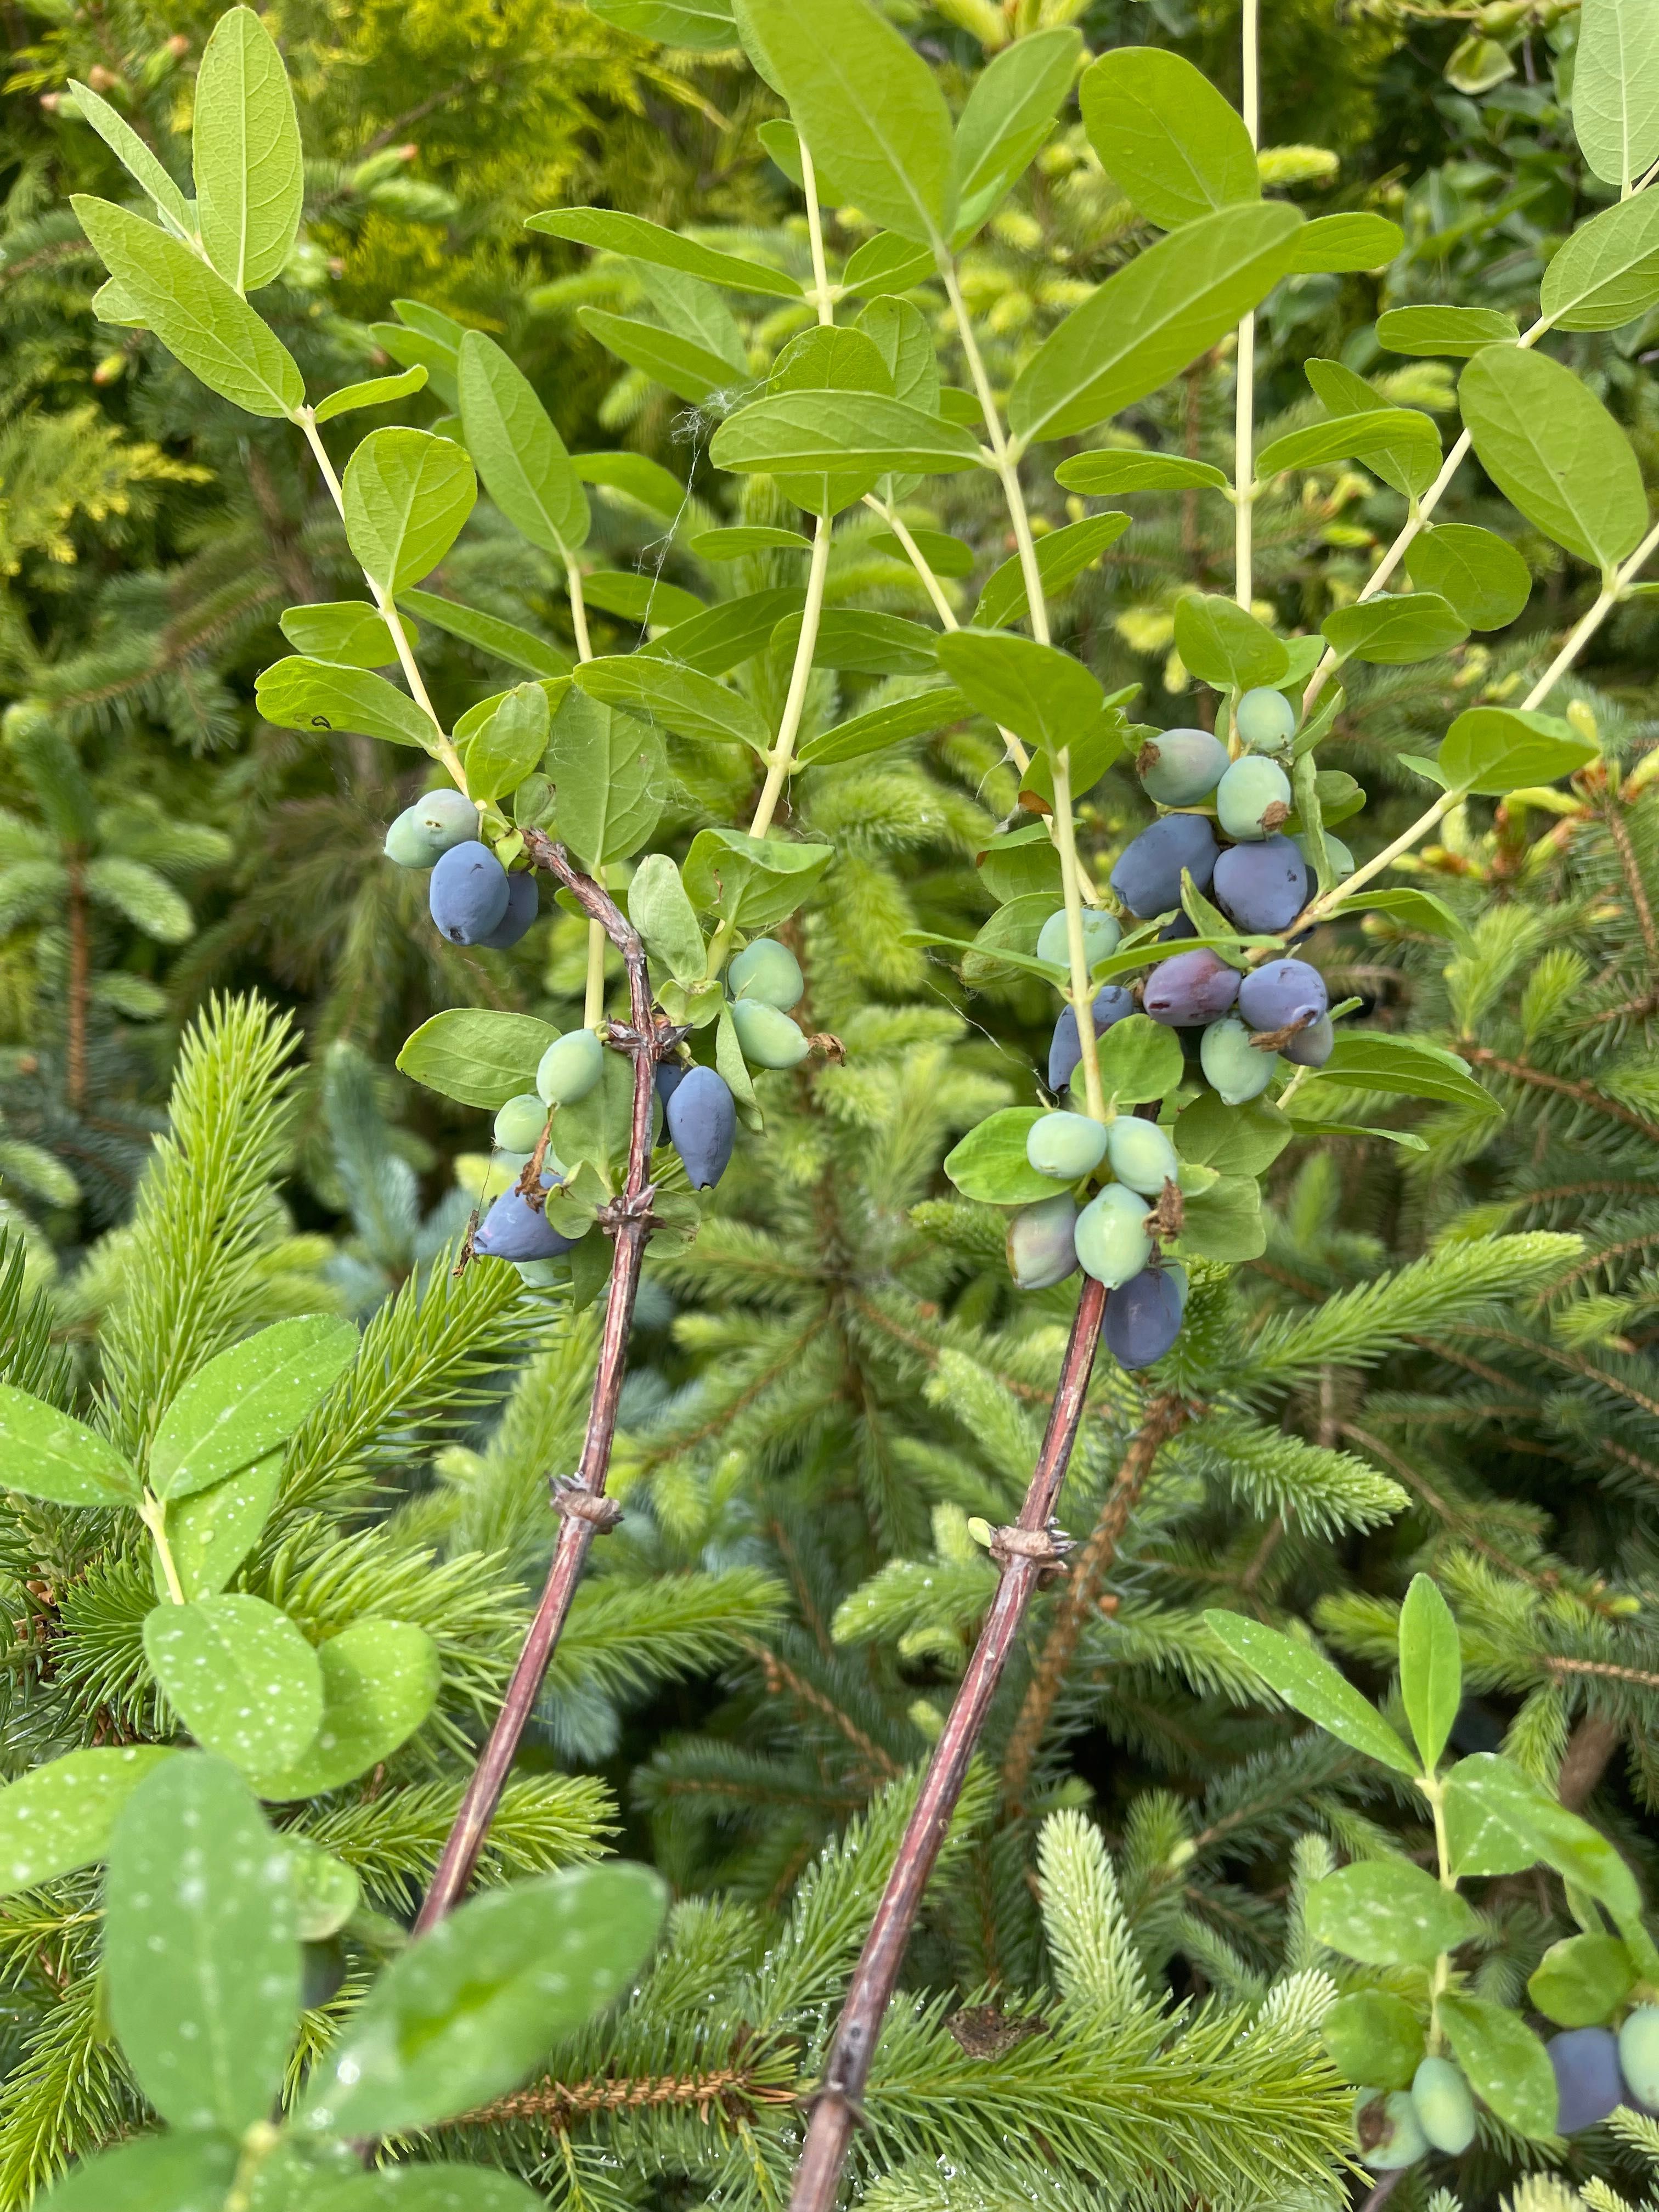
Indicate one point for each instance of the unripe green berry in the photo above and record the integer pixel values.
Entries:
(1141, 1154)
(766, 1036)
(1443, 2107)
(1066, 1145)
(768, 971)
(570, 1067)
(1231, 1063)
(1638, 2055)
(520, 1123)
(1265, 721)
(1252, 799)
(1112, 1242)
(1180, 767)
(1390, 2137)
(1100, 935)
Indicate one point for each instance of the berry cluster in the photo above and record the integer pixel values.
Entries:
(1237, 1026)
(1595, 2071)
(474, 900)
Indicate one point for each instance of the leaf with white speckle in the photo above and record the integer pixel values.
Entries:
(60, 1816)
(248, 1400)
(430, 2189)
(200, 1947)
(157, 2173)
(381, 1680)
(463, 2013)
(241, 1677)
(1388, 1912)
(46, 1454)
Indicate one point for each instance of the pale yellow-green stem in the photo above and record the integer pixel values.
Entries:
(1082, 992)
(1586, 627)
(593, 995)
(780, 758)
(1440, 1979)
(384, 601)
(1244, 362)
(572, 578)
(1007, 460)
(153, 1512)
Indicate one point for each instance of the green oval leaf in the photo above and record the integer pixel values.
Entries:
(1492, 749)
(1402, 435)
(1615, 88)
(1107, 474)
(1152, 319)
(1366, 1060)
(1010, 111)
(407, 496)
(610, 774)
(1506, 2065)
(612, 231)
(1395, 631)
(920, 716)
(1454, 331)
(464, 2012)
(1481, 574)
(46, 1454)
(683, 700)
(301, 694)
(247, 1401)
(348, 633)
(1388, 1912)
(521, 456)
(61, 1815)
(1553, 449)
(1430, 1668)
(241, 1676)
(480, 1057)
(1356, 240)
(200, 1947)
(373, 391)
(1043, 693)
(511, 743)
(1607, 272)
(1582, 1981)
(1061, 557)
(245, 152)
(380, 1681)
(801, 433)
(1310, 1684)
(204, 322)
(154, 2174)
(990, 1163)
(518, 648)
(1223, 643)
(1166, 136)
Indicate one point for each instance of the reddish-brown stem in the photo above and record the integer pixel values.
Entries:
(629, 1219)
(75, 1003)
(836, 2108)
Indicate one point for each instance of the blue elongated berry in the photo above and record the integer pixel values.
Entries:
(1112, 1001)
(513, 1230)
(1101, 931)
(1587, 2077)
(468, 894)
(1066, 1145)
(770, 971)
(670, 1073)
(1142, 1316)
(702, 1125)
(1042, 1243)
(524, 903)
(1190, 988)
(1264, 721)
(1262, 886)
(1312, 1047)
(1252, 799)
(1180, 767)
(1147, 878)
(1283, 994)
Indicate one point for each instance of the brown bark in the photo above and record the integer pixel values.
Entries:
(1023, 1553)
(1589, 1747)
(581, 1501)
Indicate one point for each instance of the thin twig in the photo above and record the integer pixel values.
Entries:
(629, 1222)
(818, 2175)
(1164, 1417)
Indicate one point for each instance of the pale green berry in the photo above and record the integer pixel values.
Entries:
(768, 971)
(1100, 936)
(1231, 1063)
(1066, 1145)
(1141, 1154)
(766, 1036)
(570, 1067)
(1112, 1241)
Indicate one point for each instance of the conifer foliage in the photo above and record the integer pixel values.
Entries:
(192, 1547)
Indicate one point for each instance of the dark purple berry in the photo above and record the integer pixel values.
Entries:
(1143, 1317)
(1263, 886)
(513, 1230)
(1283, 994)
(1147, 878)
(469, 893)
(1193, 987)
(670, 1073)
(702, 1123)
(1112, 1002)
(1587, 2076)
(524, 903)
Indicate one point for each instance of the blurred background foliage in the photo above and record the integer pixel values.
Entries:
(837, 1375)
